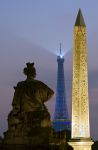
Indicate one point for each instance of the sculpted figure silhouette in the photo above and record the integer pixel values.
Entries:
(29, 119)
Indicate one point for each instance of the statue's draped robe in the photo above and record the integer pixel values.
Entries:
(30, 95)
(29, 113)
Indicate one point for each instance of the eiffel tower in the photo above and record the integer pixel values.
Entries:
(61, 120)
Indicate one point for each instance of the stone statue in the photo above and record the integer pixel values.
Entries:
(29, 120)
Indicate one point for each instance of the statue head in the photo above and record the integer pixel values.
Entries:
(30, 71)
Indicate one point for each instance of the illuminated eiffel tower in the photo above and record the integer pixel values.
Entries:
(61, 120)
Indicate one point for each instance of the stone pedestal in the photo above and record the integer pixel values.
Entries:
(81, 144)
(24, 147)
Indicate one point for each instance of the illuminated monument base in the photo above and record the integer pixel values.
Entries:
(81, 144)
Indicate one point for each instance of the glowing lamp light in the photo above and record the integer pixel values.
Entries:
(61, 56)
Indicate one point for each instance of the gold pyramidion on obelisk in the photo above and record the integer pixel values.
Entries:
(80, 137)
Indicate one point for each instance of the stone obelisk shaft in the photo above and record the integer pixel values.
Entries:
(80, 106)
(80, 137)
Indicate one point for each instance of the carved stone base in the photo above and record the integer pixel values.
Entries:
(24, 147)
(25, 140)
(40, 137)
(81, 144)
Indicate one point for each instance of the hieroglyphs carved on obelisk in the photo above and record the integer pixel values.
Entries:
(80, 137)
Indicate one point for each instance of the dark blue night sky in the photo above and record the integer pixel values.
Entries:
(31, 30)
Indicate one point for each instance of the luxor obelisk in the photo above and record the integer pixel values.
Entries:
(80, 137)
